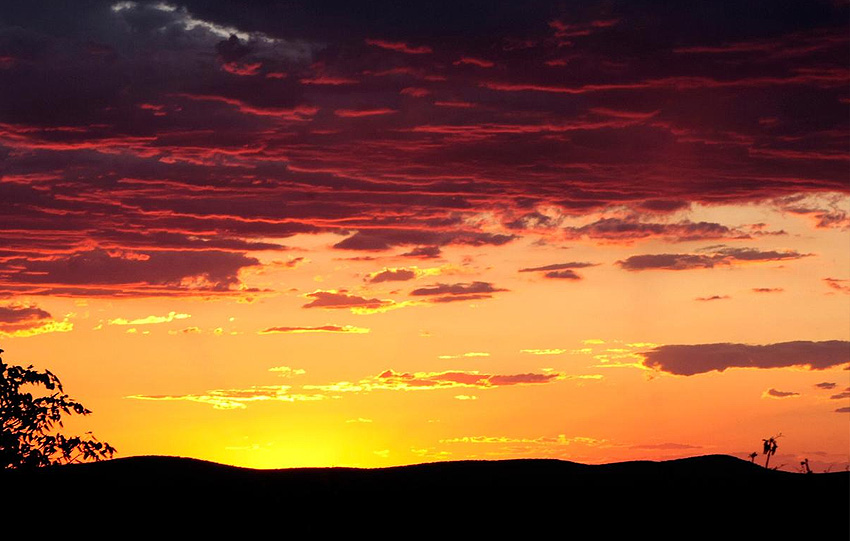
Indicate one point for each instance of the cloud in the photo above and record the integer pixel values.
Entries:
(452, 379)
(187, 330)
(719, 256)
(470, 288)
(228, 399)
(399, 46)
(14, 314)
(688, 360)
(713, 298)
(23, 320)
(424, 252)
(773, 393)
(543, 351)
(125, 273)
(826, 385)
(542, 441)
(333, 299)
(560, 271)
(200, 156)
(842, 395)
(149, 320)
(360, 113)
(559, 266)
(472, 61)
(287, 372)
(344, 329)
(468, 354)
(384, 239)
(563, 275)
(392, 275)
(631, 228)
(768, 290)
(840, 285)
(845, 409)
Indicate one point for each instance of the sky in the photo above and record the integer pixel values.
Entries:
(332, 233)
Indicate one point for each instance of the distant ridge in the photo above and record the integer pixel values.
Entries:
(715, 493)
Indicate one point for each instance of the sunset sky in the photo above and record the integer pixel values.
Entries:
(379, 233)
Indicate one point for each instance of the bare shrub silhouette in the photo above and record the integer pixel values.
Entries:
(27, 437)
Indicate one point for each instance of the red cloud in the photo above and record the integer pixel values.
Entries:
(357, 113)
(474, 62)
(399, 46)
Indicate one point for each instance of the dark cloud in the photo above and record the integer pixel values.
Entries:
(687, 360)
(773, 393)
(559, 266)
(668, 262)
(563, 275)
(713, 298)
(15, 314)
(471, 288)
(391, 275)
(768, 290)
(125, 272)
(342, 299)
(843, 410)
(424, 252)
(825, 385)
(629, 229)
(717, 256)
(211, 127)
(21, 320)
(387, 238)
(560, 271)
(232, 49)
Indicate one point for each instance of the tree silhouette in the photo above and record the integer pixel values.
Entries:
(28, 439)
(753, 456)
(769, 448)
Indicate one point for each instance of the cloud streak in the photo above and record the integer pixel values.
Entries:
(689, 360)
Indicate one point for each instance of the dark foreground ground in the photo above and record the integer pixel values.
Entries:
(702, 497)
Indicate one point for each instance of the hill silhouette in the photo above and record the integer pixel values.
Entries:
(716, 494)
